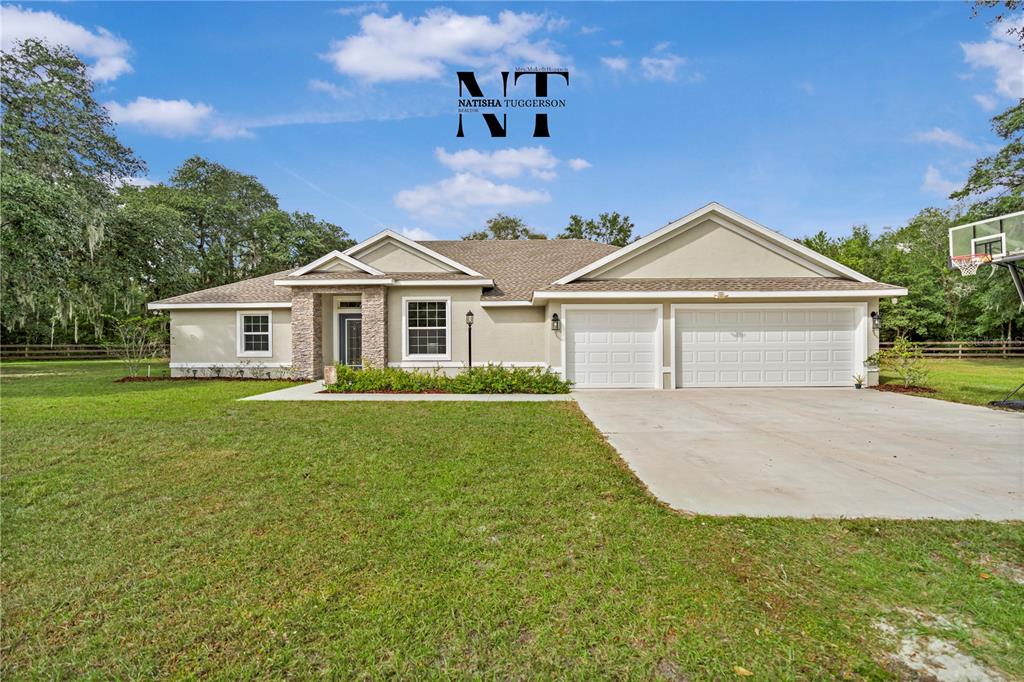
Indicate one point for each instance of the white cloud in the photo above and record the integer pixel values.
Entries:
(579, 164)
(945, 137)
(1002, 54)
(616, 63)
(590, 30)
(986, 102)
(395, 48)
(134, 182)
(806, 87)
(335, 91)
(450, 197)
(557, 24)
(173, 118)
(662, 46)
(664, 68)
(361, 8)
(502, 163)
(615, 43)
(107, 52)
(418, 234)
(935, 183)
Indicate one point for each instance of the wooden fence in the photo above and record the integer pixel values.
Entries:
(44, 351)
(969, 349)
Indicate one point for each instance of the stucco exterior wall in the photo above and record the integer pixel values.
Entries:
(706, 250)
(509, 335)
(391, 256)
(205, 337)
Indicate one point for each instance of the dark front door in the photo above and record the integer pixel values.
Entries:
(350, 338)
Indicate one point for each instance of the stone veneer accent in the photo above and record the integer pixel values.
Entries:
(307, 330)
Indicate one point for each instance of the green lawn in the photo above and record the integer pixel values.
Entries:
(976, 382)
(164, 529)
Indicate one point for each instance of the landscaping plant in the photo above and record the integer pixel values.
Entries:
(904, 359)
(488, 379)
(136, 340)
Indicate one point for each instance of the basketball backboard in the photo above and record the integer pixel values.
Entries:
(997, 241)
(1001, 238)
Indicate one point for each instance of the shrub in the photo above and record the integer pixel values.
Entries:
(499, 379)
(904, 359)
(489, 379)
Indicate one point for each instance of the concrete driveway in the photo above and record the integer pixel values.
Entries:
(817, 452)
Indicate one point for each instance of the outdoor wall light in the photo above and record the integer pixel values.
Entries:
(876, 320)
(556, 324)
(469, 318)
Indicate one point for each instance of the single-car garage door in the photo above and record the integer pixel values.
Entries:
(616, 347)
(766, 346)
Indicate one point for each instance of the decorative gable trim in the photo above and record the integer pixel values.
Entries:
(336, 255)
(757, 232)
(416, 246)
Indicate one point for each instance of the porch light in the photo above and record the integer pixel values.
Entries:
(556, 324)
(469, 318)
(876, 320)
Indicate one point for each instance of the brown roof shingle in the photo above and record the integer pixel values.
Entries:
(518, 267)
(721, 284)
(255, 290)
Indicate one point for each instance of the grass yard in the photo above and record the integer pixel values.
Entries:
(976, 382)
(164, 529)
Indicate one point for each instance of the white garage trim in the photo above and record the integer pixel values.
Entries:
(659, 352)
(860, 335)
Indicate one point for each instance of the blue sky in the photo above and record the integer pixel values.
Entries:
(801, 116)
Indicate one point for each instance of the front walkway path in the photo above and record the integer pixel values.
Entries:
(312, 391)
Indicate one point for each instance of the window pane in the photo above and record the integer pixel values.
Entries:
(427, 342)
(256, 342)
(427, 313)
(255, 323)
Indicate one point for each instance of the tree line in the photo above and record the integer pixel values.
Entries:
(80, 243)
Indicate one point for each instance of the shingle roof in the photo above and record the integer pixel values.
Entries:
(314, 276)
(518, 267)
(721, 284)
(263, 290)
(255, 290)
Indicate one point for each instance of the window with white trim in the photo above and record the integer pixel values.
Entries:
(427, 325)
(255, 332)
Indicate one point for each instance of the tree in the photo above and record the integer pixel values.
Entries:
(609, 228)
(137, 339)
(60, 159)
(1005, 14)
(503, 226)
(1003, 172)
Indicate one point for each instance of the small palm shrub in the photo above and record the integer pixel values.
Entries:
(489, 379)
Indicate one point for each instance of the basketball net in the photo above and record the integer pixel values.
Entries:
(968, 265)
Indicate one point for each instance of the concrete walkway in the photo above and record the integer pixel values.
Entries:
(817, 452)
(311, 391)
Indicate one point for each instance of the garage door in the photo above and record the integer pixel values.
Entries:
(612, 347)
(780, 346)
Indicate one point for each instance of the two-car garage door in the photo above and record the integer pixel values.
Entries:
(715, 346)
(794, 346)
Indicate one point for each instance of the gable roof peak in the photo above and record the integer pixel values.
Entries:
(773, 236)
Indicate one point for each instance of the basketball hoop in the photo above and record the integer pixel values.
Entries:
(968, 265)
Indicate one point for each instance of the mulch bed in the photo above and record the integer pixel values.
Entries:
(900, 388)
(133, 380)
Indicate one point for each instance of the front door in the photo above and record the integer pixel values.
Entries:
(350, 339)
